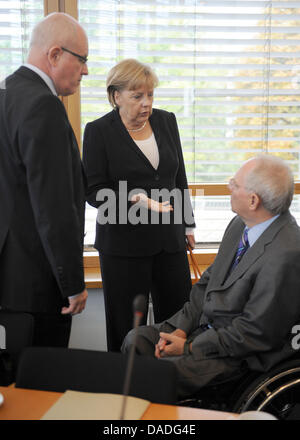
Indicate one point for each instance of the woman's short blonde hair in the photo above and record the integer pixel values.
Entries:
(129, 74)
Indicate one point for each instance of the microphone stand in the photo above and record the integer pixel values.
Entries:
(139, 307)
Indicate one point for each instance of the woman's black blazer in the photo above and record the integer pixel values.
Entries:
(111, 156)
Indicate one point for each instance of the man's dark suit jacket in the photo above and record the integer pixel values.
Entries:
(41, 197)
(110, 156)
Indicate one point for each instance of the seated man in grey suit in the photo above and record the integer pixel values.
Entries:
(242, 310)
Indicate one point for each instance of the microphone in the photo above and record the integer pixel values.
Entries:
(139, 309)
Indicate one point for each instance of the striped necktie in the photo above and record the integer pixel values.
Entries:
(242, 247)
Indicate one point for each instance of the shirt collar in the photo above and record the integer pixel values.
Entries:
(255, 232)
(43, 75)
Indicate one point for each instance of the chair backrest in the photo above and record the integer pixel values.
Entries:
(16, 333)
(61, 369)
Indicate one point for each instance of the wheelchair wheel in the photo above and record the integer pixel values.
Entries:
(276, 392)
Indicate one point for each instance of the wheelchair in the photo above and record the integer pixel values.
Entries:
(276, 392)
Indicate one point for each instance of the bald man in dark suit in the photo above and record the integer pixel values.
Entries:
(42, 192)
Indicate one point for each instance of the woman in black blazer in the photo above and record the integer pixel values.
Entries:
(137, 180)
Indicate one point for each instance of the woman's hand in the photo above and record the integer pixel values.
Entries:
(190, 238)
(151, 204)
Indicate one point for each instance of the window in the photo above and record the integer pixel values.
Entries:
(229, 70)
(17, 18)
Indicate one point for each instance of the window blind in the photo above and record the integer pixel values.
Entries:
(17, 19)
(229, 70)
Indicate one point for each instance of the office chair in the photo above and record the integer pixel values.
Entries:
(17, 333)
(61, 369)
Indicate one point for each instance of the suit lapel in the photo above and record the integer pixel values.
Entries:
(248, 260)
(228, 250)
(226, 253)
(154, 121)
(129, 142)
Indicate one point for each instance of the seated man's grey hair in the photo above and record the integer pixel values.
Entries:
(272, 180)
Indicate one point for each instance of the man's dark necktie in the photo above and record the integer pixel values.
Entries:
(242, 247)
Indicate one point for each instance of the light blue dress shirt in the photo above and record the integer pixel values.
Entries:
(255, 232)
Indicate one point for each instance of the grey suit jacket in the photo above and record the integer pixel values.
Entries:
(253, 311)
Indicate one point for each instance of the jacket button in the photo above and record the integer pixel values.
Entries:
(156, 177)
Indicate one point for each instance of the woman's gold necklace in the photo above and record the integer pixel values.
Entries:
(138, 129)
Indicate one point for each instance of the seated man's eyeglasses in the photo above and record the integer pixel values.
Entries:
(81, 58)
